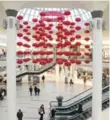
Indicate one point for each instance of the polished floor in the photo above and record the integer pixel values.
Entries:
(49, 90)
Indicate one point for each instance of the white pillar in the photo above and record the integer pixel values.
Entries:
(57, 72)
(97, 66)
(11, 67)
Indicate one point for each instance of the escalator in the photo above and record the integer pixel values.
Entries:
(69, 109)
(41, 70)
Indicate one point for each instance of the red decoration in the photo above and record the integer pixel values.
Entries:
(19, 17)
(19, 34)
(19, 43)
(87, 38)
(78, 36)
(86, 61)
(28, 33)
(67, 13)
(78, 19)
(28, 27)
(87, 54)
(72, 61)
(78, 44)
(87, 46)
(19, 53)
(19, 61)
(72, 23)
(72, 39)
(78, 28)
(34, 20)
(86, 24)
(20, 26)
(59, 61)
(67, 64)
(87, 31)
(78, 62)
(25, 23)
(42, 14)
(25, 30)
(78, 54)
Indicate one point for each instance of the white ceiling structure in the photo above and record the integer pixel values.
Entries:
(85, 5)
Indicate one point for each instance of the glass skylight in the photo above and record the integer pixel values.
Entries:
(29, 14)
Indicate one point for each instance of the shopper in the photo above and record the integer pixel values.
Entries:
(43, 78)
(20, 115)
(71, 82)
(35, 90)
(30, 90)
(53, 111)
(41, 112)
(80, 109)
(38, 91)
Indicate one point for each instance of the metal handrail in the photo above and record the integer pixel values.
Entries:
(75, 102)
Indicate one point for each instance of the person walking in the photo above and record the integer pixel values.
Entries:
(53, 111)
(30, 90)
(43, 78)
(35, 90)
(20, 115)
(41, 112)
(38, 90)
(71, 82)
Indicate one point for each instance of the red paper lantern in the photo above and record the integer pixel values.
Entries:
(78, 36)
(78, 54)
(42, 14)
(67, 13)
(28, 33)
(20, 26)
(25, 23)
(60, 18)
(72, 39)
(87, 31)
(72, 61)
(25, 30)
(87, 38)
(86, 61)
(72, 23)
(59, 61)
(19, 34)
(34, 20)
(19, 61)
(19, 53)
(87, 54)
(19, 17)
(78, 19)
(78, 28)
(78, 44)
(28, 27)
(19, 43)
(67, 64)
(86, 24)
(78, 62)
(87, 46)
(67, 23)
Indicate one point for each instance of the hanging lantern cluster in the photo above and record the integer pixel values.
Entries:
(43, 31)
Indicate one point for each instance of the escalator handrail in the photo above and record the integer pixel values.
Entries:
(74, 116)
(80, 100)
(72, 97)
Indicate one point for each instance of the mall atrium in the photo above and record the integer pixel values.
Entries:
(54, 60)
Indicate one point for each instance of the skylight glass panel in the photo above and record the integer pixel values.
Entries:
(32, 12)
(26, 17)
(30, 18)
(24, 10)
(28, 11)
(80, 10)
(84, 17)
(36, 13)
(76, 12)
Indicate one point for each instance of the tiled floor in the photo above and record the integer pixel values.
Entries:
(49, 91)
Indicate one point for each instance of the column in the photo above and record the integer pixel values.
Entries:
(57, 72)
(11, 63)
(97, 65)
